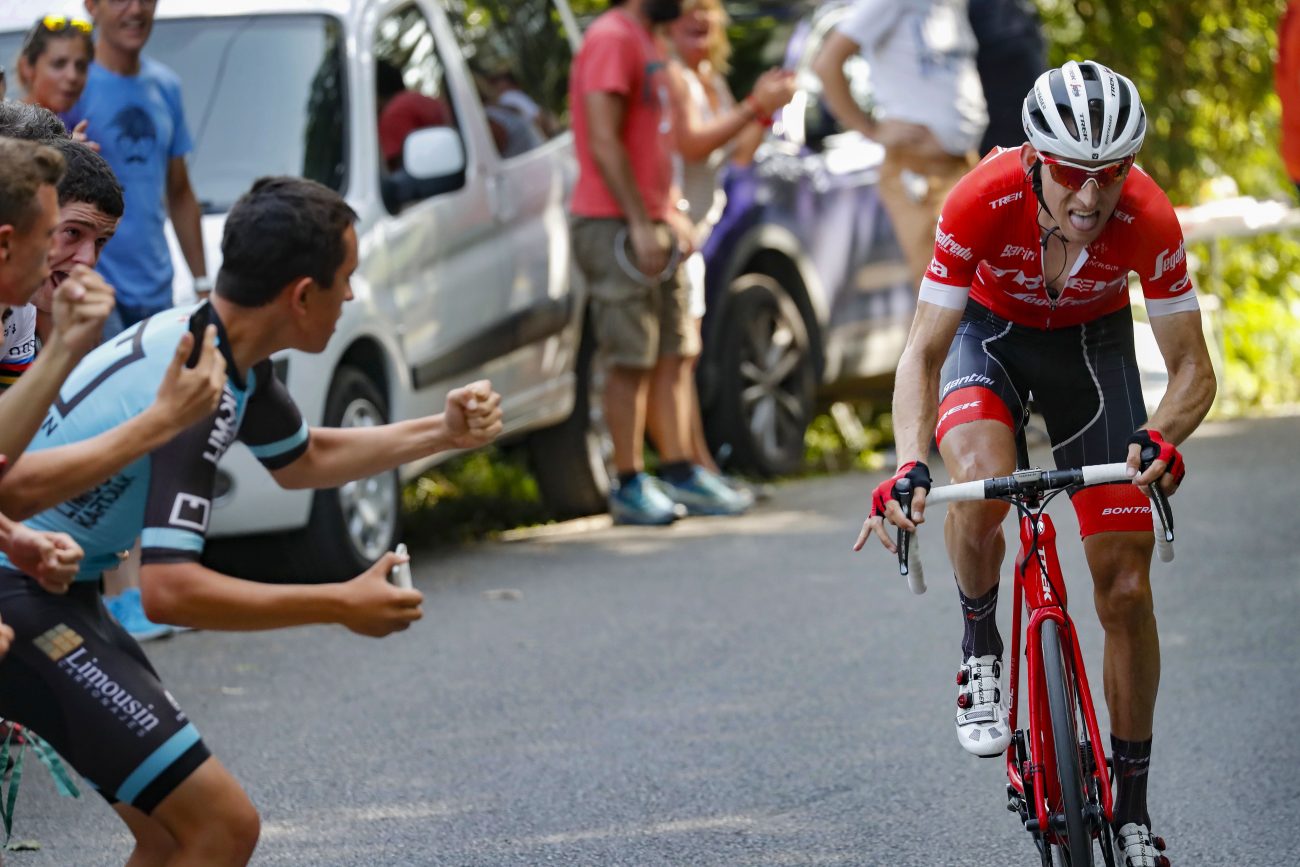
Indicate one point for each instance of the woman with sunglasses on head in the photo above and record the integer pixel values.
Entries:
(1027, 293)
(53, 65)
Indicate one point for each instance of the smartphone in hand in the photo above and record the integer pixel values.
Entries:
(200, 319)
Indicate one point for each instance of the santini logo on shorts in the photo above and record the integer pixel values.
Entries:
(66, 648)
(968, 379)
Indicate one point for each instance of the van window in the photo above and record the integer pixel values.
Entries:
(280, 75)
(411, 93)
(519, 54)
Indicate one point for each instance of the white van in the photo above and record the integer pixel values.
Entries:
(465, 266)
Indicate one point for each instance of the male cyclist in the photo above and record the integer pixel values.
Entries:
(1028, 294)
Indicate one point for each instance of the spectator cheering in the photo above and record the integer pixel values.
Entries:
(289, 252)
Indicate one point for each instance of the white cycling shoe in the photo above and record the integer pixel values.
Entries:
(981, 713)
(1136, 847)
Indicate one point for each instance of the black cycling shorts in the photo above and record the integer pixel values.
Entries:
(77, 679)
(1083, 380)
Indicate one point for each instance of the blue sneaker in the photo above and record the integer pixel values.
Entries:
(641, 501)
(703, 493)
(128, 611)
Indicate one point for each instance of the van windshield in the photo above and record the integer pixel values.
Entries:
(263, 95)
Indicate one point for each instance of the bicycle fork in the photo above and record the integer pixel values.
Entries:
(1031, 789)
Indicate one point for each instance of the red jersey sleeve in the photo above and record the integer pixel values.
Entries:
(610, 62)
(964, 233)
(1160, 255)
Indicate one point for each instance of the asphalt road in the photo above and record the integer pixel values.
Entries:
(729, 692)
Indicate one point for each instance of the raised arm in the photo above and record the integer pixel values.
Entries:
(335, 456)
(43, 479)
(697, 138)
(81, 304)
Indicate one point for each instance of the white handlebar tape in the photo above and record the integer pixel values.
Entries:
(1164, 548)
(915, 574)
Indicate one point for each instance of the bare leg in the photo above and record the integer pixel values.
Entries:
(154, 844)
(126, 575)
(669, 418)
(1121, 571)
(973, 531)
(211, 819)
(626, 389)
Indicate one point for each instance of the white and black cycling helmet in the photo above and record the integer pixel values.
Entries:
(1084, 111)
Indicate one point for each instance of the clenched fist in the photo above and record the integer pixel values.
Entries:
(472, 417)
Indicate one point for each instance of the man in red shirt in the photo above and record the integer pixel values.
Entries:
(1027, 293)
(627, 238)
(402, 112)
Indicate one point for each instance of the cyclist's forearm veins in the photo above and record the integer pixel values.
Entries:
(915, 408)
(1187, 400)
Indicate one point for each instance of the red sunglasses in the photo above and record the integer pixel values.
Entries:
(1073, 176)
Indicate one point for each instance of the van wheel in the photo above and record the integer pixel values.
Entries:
(571, 461)
(766, 382)
(350, 526)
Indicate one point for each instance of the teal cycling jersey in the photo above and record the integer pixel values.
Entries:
(164, 498)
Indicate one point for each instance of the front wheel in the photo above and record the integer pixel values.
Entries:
(1073, 832)
(350, 526)
(572, 461)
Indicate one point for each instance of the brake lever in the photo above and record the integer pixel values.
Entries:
(1160, 504)
(1159, 500)
(903, 493)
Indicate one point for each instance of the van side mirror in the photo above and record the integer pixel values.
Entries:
(433, 163)
(433, 152)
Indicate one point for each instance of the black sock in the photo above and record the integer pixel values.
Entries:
(676, 472)
(1132, 758)
(980, 618)
(624, 478)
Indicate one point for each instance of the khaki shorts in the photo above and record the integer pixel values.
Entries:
(913, 190)
(635, 324)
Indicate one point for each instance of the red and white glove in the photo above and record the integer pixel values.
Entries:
(914, 471)
(1157, 448)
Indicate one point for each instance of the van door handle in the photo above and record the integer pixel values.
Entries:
(500, 200)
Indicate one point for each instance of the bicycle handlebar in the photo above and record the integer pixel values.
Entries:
(1024, 482)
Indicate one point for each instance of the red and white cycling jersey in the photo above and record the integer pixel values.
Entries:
(987, 247)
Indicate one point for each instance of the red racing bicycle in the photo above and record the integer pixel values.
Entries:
(1057, 771)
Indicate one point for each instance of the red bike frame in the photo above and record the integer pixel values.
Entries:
(1039, 596)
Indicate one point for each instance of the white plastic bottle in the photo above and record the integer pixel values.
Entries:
(400, 576)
